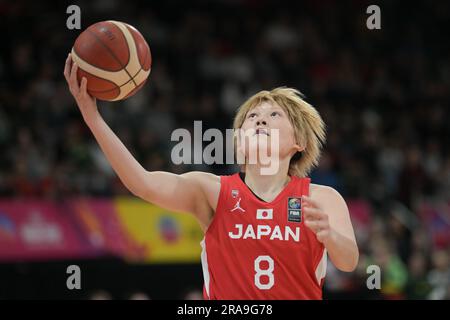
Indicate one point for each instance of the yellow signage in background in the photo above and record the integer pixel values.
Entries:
(168, 237)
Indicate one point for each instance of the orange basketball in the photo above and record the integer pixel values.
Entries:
(115, 59)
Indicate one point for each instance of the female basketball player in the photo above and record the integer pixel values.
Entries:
(266, 236)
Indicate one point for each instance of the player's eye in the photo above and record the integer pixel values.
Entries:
(252, 115)
(275, 113)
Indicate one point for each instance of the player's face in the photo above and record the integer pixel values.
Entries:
(268, 129)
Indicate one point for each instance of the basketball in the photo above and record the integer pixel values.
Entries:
(115, 59)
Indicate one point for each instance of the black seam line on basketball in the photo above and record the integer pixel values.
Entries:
(140, 69)
(145, 59)
(135, 75)
(79, 55)
(104, 91)
(112, 53)
(93, 75)
(137, 54)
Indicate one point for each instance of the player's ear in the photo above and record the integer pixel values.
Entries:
(299, 147)
(298, 152)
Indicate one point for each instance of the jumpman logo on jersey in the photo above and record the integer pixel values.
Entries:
(237, 206)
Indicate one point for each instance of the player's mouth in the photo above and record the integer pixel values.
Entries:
(262, 131)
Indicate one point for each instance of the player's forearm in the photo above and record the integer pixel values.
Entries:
(342, 251)
(130, 172)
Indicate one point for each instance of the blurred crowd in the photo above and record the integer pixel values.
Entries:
(384, 95)
(102, 294)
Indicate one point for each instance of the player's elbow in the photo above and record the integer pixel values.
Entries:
(139, 193)
(139, 190)
(348, 267)
(350, 263)
(146, 194)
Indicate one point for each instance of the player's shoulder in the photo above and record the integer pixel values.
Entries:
(324, 193)
(201, 176)
(329, 199)
(206, 182)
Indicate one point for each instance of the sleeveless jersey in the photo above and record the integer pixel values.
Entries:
(261, 250)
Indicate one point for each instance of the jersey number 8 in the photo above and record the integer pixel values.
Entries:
(264, 272)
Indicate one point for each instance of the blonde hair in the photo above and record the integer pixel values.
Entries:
(309, 128)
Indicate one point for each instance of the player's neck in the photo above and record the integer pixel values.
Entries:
(266, 186)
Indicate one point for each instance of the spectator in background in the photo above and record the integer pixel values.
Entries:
(325, 173)
(394, 273)
(138, 295)
(413, 178)
(417, 286)
(439, 276)
(100, 295)
(193, 294)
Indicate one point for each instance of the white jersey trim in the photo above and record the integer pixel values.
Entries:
(205, 268)
(321, 269)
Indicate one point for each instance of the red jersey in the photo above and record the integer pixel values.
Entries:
(261, 250)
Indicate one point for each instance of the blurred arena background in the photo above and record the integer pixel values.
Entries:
(384, 95)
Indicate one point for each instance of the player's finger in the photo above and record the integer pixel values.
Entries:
(309, 202)
(315, 226)
(73, 79)
(318, 226)
(83, 87)
(67, 67)
(322, 234)
(311, 224)
(313, 213)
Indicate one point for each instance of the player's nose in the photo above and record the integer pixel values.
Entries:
(261, 122)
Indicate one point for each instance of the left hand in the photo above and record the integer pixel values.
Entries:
(316, 219)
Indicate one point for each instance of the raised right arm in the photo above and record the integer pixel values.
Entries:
(194, 192)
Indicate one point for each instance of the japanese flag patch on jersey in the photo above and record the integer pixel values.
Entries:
(264, 214)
